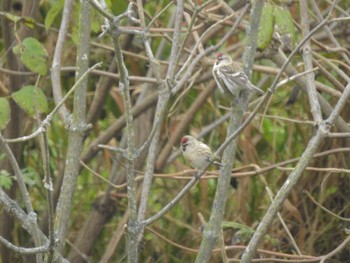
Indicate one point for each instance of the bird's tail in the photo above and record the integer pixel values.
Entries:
(256, 89)
(217, 163)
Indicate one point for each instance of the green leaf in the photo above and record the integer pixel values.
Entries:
(33, 55)
(96, 21)
(52, 13)
(29, 176)
(331, 190)
(266, 26)
(4, 113)
(117, 6)
(284, 25)
(75, 32)
(31, 99)
(5, 179)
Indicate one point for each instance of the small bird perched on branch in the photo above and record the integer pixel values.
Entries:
(230, 77)
(196, 153)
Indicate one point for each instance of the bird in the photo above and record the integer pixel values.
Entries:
(197, 153)
(230, 77)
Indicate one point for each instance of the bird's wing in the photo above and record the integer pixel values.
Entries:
(218, 80)
(204, 146)
(206, 151)
(234, 74)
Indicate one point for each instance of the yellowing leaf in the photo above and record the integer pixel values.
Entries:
(29, 22)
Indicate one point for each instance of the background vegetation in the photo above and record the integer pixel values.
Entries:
(68, 190)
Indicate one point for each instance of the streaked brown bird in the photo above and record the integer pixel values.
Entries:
(230, 77)
(196, 153)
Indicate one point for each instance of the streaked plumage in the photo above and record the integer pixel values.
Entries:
(230, 77)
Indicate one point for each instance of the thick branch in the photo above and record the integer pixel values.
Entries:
(77, 129)
(212, 229)
(57, 57)
(307, 57)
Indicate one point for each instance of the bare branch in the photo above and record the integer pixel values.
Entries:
(212, 230)
(46, 122)
(77, 127)
(293, 178)
(307, 57)
(56, 62)
(24, 250)
(26, 221)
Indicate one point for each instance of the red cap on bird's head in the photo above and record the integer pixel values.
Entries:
(219, 56)
(184, 139)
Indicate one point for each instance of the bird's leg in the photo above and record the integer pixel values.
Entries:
(237, 99)
(196, 175)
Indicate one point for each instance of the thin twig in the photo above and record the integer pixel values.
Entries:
(325, 209)
(328, 30)
(19, 176)
(291, 238)
(292, 179)
(337, 250)
(48, 191)
(46, 122)
(26, 221)
(338, 135)
(23, 250)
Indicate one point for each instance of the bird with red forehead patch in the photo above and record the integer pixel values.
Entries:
(196, 153)
(230, 77)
